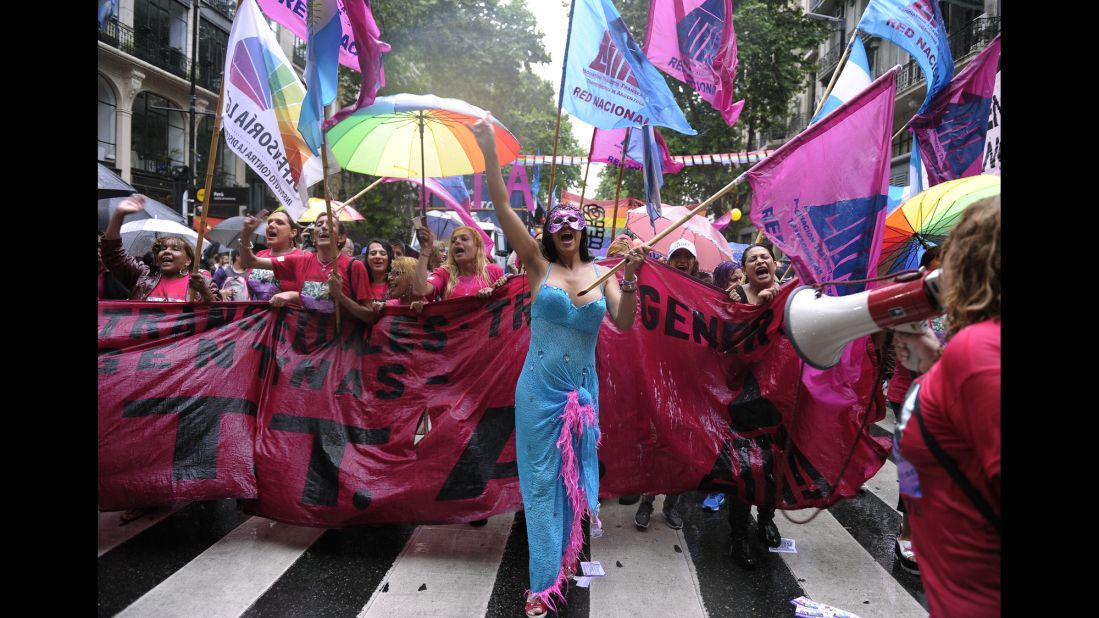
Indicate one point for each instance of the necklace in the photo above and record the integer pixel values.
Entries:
(326, 266)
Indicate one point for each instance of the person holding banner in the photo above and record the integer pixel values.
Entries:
(947, 439)
(401, 275)
(378, 259)
(557, 394)
(467, 270)
(759, 269)
(322, 287)
(167, 280)
(282, 239)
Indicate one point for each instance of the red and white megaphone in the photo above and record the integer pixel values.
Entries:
(821, 326)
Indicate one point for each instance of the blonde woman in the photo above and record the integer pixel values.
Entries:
(401, 275)
(466, 271)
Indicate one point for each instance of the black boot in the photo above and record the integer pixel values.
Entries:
(744, 552)
(644, 511)
(768, 531)
(671, 517)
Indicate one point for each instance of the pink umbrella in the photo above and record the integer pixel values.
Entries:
(712, 247)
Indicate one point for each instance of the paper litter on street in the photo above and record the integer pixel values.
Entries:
(786, 547)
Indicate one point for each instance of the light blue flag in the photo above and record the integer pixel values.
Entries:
(609, 83)
(917, 27)
(322, 59)
(653, 172)
(854, 78)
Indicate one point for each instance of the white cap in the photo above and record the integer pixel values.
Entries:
(683, 243)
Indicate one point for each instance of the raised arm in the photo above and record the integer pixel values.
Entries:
(420, 284)
(247, 258)
(514, 230)
(622, 299)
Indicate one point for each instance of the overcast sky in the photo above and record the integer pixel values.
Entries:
(553, 21)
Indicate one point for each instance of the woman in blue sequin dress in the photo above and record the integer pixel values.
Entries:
(557, 395)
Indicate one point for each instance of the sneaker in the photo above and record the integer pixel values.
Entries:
(641, 518)
(714, 501)
(674, 521)
(906, 558)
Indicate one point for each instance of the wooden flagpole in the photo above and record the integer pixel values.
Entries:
(363, 192)
(621, 169)
(587, 168)
(687, 217)
(560, 101)
(208, 188)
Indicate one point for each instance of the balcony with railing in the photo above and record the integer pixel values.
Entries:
(794, 124)
(139, 43)
(968, 40)
(299, 55)
(226, 7)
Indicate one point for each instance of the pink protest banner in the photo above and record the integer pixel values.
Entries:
(606, 147)
(694, 42)
(951, 131)
(192, 396)
(821, 197)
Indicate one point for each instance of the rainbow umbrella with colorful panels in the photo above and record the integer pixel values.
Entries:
(410, 135)
(926, 218)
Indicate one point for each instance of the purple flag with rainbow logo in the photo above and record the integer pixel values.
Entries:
(821, 197)
(694, 42)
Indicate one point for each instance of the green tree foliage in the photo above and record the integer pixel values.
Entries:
(772, 37)
(479, 51)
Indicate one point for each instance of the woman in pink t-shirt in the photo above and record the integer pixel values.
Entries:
(466, 271)
(947, 441)
(378, 259)
(282, 239)
(401, 275)
(324, 286)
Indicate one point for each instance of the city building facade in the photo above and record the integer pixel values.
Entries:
(160, 68)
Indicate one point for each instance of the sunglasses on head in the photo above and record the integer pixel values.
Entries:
(560, 217)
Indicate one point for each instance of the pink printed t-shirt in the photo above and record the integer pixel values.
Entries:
(262, 282)
(468, 285)
(307, 268)
(170, 290)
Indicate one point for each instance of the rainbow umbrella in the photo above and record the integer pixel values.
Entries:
(925, 219)
(410, 135)
(341, 211)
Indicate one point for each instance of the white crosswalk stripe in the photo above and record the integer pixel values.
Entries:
(230, 575)
(456, 570)
(652, 574)
(456, 564)
(839, 572)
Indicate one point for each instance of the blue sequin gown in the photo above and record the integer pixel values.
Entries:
(556, 432)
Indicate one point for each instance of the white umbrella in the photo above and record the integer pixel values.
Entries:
(138, 236)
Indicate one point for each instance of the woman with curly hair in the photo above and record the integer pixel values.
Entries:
(168, 279)
(947, 443)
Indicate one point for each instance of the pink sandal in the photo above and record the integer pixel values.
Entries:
(535, 607)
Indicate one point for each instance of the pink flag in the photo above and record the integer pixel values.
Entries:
(723, 220)
(821, 197)
(951, 131)
(606, 147)
(694, 42)
(292, 16)
(439, 191)
(370, 49)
